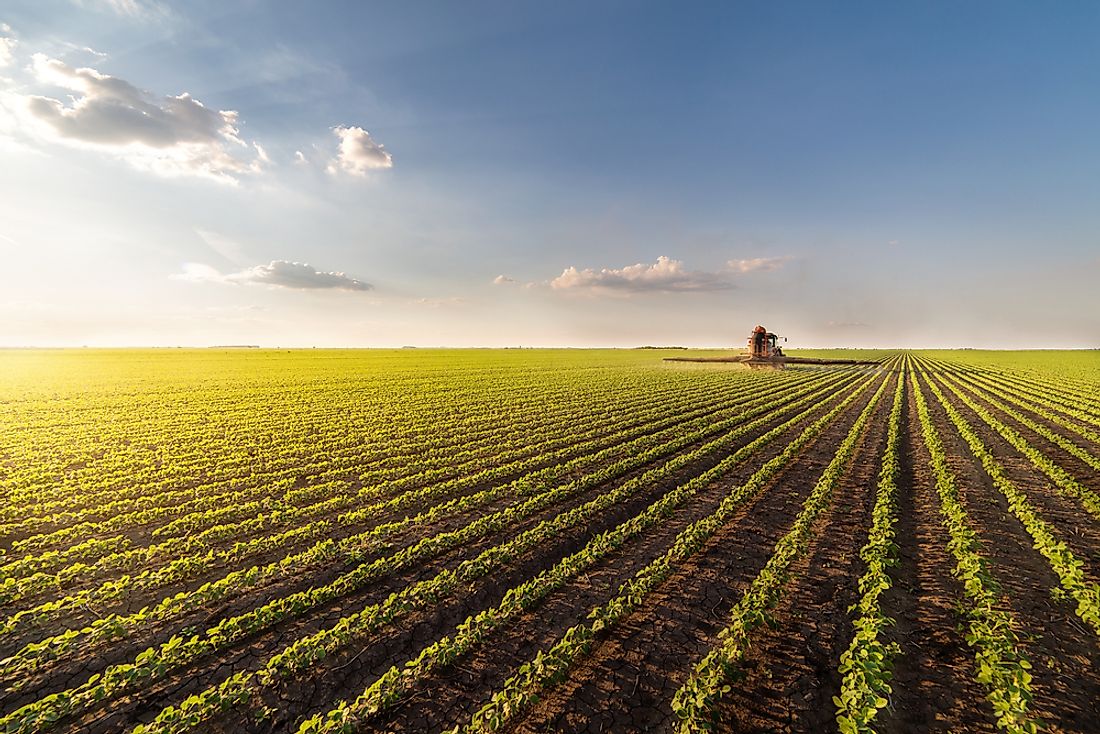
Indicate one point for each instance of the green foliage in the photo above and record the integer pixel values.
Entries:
(1066, 565)
(999, 664)
(156, 662)
(130, 473)
(549, 668)
(866, 664)
(695, 703)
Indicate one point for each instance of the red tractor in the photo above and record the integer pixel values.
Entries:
(764, 353)
(763, 344)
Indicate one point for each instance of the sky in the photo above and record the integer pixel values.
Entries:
(852, 174)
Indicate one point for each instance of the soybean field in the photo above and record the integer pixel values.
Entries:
(547, 541)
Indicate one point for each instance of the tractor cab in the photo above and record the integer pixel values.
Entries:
(763, 344)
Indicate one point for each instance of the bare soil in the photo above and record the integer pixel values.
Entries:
(626, 682)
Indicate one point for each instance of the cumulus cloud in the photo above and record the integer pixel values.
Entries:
(7, 45)
(666, 275)
(762, 264)
(358, 153)
(279, 273)
(173, 135)
(503, 280)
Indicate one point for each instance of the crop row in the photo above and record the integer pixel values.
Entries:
(547, 406)
(1061, 478)
(551, 667)
(1079, 403)
(456, 431)
(1000, 666)
(1066, 565)
(1045, 408)
(1065, 444)
(655, 419)
(866, 664)
(476, 629)
(695, 703)
(208, 508)
(352, 548)
(304, 653)
(156, 662)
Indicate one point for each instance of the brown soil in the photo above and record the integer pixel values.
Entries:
(251, 653)
(1076, 467)
(790, 674)
(471, 681)
(934, 689)
(301, 578)
(1080, 531)
(628, 681)
(141, 536)
(1064, 653)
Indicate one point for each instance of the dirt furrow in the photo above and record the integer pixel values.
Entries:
(448, 698)
(1031, 413)
(1074, 465)
(1080, 532)
(625, 420)
(790, 674)
(628, 681)
(934, 688)
(1065, 655)
(93, 658)
(249, 654)
(137, 599)
(450, 435)
(488, 668)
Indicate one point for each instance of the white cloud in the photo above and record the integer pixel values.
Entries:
(261, 154)
(358, 153)
(279, 273)
(7, 45)
(174, 135)
(894, 242)
(762, 264)
(72, 49)
(503, 280)
(666, 275)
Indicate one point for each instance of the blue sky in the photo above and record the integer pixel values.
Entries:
(848, 174)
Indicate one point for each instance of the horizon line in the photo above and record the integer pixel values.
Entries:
(413, 347)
